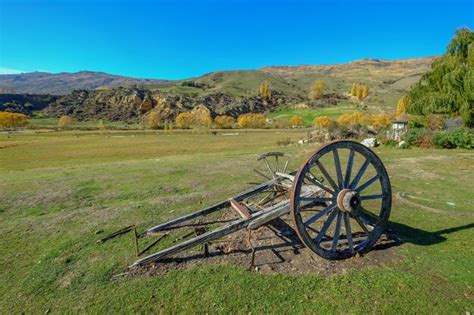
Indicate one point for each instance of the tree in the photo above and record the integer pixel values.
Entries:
(344, 119)
(202, 116)
(264, 90)
(322, 122)
(448, 88)
(64, 122)
(185, 120)
(353, 89)
(365, 91)
(381, 120)
(317, 90)
(12, 120)
(251, 120)
(296, 121)
(401, 106)
(224, 121)
(154, 120)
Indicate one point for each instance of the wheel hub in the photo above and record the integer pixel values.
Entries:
(348, 200)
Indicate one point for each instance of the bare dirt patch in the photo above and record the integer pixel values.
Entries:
(277, 251)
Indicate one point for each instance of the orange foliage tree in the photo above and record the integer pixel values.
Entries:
(322, 121)
(296, 121)
(317, 90)
(224, 121)
(381, 120)
(12, 120)
(251, 120)
(264, 90)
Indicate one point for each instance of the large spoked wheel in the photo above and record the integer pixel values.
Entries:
(352, 205)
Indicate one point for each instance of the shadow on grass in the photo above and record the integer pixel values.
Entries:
(401, 233)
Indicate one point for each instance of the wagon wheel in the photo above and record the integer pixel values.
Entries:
(270, 165)
(353, 211)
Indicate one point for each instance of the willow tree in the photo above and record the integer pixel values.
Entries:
(448, 88)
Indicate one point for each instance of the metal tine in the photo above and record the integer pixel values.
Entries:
(337, 163)
(277, 164)
(350, 162)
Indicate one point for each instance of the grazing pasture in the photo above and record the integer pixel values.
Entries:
(61, 191)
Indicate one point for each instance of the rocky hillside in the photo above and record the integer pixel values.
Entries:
(128, 104)
(66, 82)
(225, 92)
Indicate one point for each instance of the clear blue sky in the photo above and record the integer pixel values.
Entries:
(179, 39)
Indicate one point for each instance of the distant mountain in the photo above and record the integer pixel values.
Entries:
(65, 82)
(222, 92)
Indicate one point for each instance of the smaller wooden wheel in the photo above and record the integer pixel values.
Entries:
(352, 205)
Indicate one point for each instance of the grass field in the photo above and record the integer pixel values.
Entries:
(58, 189)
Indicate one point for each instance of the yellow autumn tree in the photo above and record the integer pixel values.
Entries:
(353, 89)
(401, 106)
(264, 90)
(202, 116)
(344, 119)
(12, 120)
(360, 90)
(358, 118)
(251, 120)
(154, 120)
(317, 90)
(322, 121)
(64, 122)
(185, 120)
(365, 91)
(381, 120)
(296, 121)
(224, 121)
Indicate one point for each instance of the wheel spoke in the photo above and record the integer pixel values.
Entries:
(269, 168)
(337, 232)
(277, 165)
(361, 172)
(367, 183)
(261, 174)
(371, 197)
(285, 168)
(318, 183)
(358, 220)
(326, 226)
(349, 168)
(326, 174)
(318, 215)
(337, 164)
(347, 225)
(320, 199)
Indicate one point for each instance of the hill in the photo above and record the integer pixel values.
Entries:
(66, 82)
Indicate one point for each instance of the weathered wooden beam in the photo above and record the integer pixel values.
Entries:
(201, 239)
(241, 209)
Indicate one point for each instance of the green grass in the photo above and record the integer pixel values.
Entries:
(38, 121)
(58, 189)
(308, 114)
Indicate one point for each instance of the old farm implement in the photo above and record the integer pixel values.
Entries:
(339, 201)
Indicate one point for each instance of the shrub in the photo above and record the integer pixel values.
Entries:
(251, 120)
(284, 142)
(381, 120)
(413, 136)
(153, 120)
(64, 122)
(455, 138)
(12, 120)
(344, 119)
(224, 121)
(417, 122)
(185, 120)
(317, 90)
(296, 121)
(435, 122)
(322, 121)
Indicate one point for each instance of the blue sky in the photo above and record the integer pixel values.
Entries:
(179, 39)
